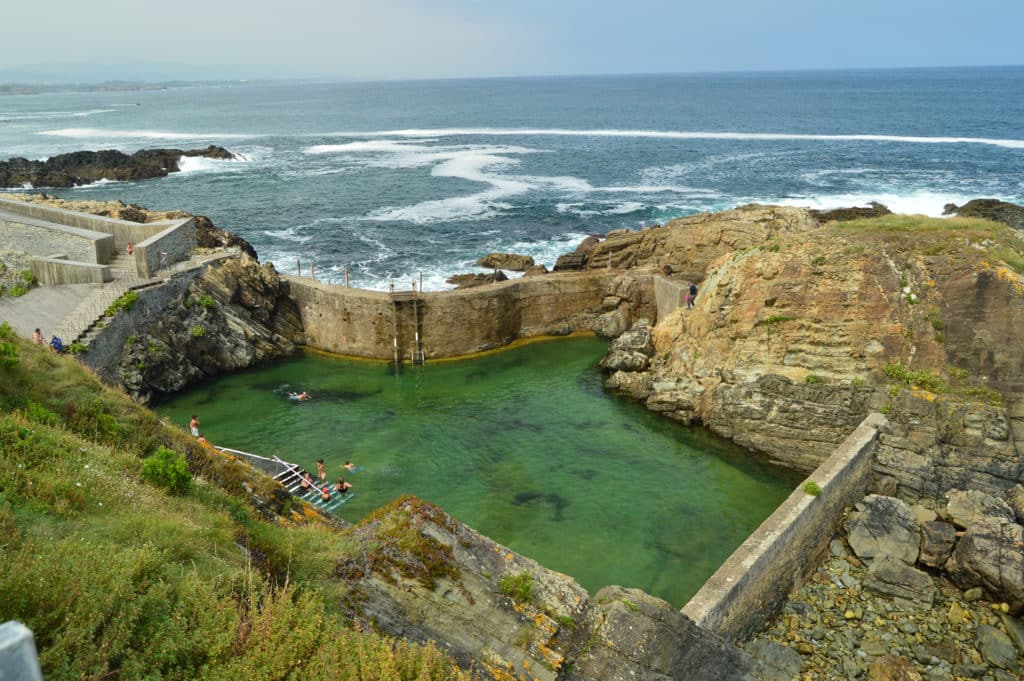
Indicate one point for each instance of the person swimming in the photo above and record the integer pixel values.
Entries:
(299, 397)
(342, 487)
(349, 466)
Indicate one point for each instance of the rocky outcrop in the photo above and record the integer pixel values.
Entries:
(471, 280)
(84, 167)
(991, 555)
(800, 330)
(872, 210)
(506, 261)
(424, 576)
(235, 314)
(990, 209)
(883, 526)
(969, 507)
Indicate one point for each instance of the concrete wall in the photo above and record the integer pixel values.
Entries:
(173, 244)
(359, 322)
(18, 658)
(669, 295)
(756, 579)
(123, 231)
(41, 238)
(59, 270)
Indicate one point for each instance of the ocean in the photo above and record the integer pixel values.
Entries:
(396, 180)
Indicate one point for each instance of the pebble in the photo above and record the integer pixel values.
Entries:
(839, 629)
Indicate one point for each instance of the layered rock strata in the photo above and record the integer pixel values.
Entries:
(235, 314)
(424, 576)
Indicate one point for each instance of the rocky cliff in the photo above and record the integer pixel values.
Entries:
(84, 167)
(799, 329)
(420, 574)
(235, 314)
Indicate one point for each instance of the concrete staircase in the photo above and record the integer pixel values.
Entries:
(81, 324)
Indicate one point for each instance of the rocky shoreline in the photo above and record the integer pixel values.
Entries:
(85, 167)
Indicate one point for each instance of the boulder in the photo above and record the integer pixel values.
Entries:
(966, 508)
(588, 244)
(535, 271)
(1015, 500)
(887, 576)
(471, 280)
(634, 384)
(570, 262)
(893, 668)
(637, 339)
(612, 324)
(937, 542)
(996, 647)
(991, 555)
(210, 236)
(776, 662)
(624, 360)
(642, 638)
(506, 261)
(884, 526)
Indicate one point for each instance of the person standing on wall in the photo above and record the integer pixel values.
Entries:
(691, 296)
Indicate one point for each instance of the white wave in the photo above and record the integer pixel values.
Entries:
(98, 133)
(682, 135)
(582, 210)
(919, 202)
(46, 115)
(289, 234)
(98, 183)
(188, 165)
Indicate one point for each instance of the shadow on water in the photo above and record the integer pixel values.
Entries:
(557, 501)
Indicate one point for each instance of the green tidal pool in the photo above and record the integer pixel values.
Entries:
(524, 446)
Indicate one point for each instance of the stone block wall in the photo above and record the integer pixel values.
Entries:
(361, 323)
(173, 244)
(756, 579)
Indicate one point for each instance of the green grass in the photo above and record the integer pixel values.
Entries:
(517, 587)
(814, 378)
(125, 302)
(774, 319)
(197, 331)
(812, 488)
(920, 379)
(120, 579)
(916, 224)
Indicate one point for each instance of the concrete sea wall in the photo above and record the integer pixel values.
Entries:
(38, 237)
(756, 579)
(171, 245)
(451, 323)
(60, 270)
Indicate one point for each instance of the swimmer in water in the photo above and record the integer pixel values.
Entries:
(342, 487)
(349, 466)
(299, 397)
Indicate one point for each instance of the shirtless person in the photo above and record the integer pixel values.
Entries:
(342, 487)
(193, 426)
(321, 471)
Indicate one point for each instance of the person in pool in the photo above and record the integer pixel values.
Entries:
(321, 471)
(299, 397)
(325, 493)
(342, 487)
(307, 481)
(350, 467)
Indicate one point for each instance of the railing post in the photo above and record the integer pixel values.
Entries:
(298, 267)
(346, 276)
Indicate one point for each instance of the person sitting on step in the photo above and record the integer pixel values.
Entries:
(342, 487)
(325, 493)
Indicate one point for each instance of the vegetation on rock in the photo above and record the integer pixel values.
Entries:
(117, 579)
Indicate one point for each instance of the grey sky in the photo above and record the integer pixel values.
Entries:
(452, 38)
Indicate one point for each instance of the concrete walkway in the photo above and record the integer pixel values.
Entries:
(44, 307)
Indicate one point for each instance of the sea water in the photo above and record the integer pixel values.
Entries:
(524, 446)
(391, 180)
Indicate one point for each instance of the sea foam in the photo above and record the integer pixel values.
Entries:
(683, 135)
(99, 133)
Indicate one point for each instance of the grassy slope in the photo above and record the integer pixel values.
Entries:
(118, 579)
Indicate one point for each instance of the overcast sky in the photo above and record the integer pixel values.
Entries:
(367, 39)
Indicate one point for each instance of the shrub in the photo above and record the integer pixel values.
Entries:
(167, 469)
(207, 301)
(17, 290)
(814, 378)
(774, 319)
(812, 488)
(77, 348)
(28, 277)
(921, 379)
(8, 349)
(820, 260)
(125, 302)
(517, 587)
(197, 331)
(41, 414)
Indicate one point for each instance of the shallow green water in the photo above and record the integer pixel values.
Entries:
(522, 445)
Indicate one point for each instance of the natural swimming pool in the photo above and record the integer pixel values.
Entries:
(523, 445)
